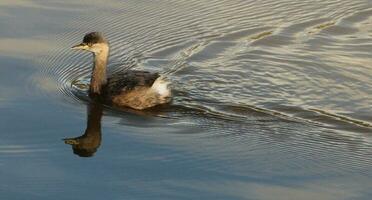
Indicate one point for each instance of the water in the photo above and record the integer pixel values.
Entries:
(272, 100)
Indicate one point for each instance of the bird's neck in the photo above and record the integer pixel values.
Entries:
(99, 78)
(94, 119)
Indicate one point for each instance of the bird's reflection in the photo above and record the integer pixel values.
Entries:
(88, 143)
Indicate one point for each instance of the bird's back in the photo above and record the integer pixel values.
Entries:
(129, 80)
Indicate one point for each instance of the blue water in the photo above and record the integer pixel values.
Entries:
(272, 100)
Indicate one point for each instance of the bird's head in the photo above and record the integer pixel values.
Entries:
(93, 42)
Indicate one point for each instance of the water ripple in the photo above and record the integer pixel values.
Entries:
(234, 54)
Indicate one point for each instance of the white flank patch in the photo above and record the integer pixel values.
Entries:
(161, 86)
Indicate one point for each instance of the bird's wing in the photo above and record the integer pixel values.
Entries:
(130, 79)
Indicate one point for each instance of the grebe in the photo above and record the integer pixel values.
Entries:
(132, 88)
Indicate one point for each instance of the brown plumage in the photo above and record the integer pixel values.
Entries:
(134, 89)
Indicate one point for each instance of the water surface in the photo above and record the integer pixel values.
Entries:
(272, 100)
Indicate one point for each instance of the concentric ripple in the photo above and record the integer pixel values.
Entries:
(270, 95)
(232, 62)
(300, 64)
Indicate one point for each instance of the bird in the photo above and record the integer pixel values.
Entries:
(135, 89)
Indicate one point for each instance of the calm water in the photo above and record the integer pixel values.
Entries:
(272, 100)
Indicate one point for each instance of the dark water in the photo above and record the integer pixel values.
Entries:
(272, 100)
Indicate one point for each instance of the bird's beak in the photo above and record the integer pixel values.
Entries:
(71, 141)
(81, 46)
